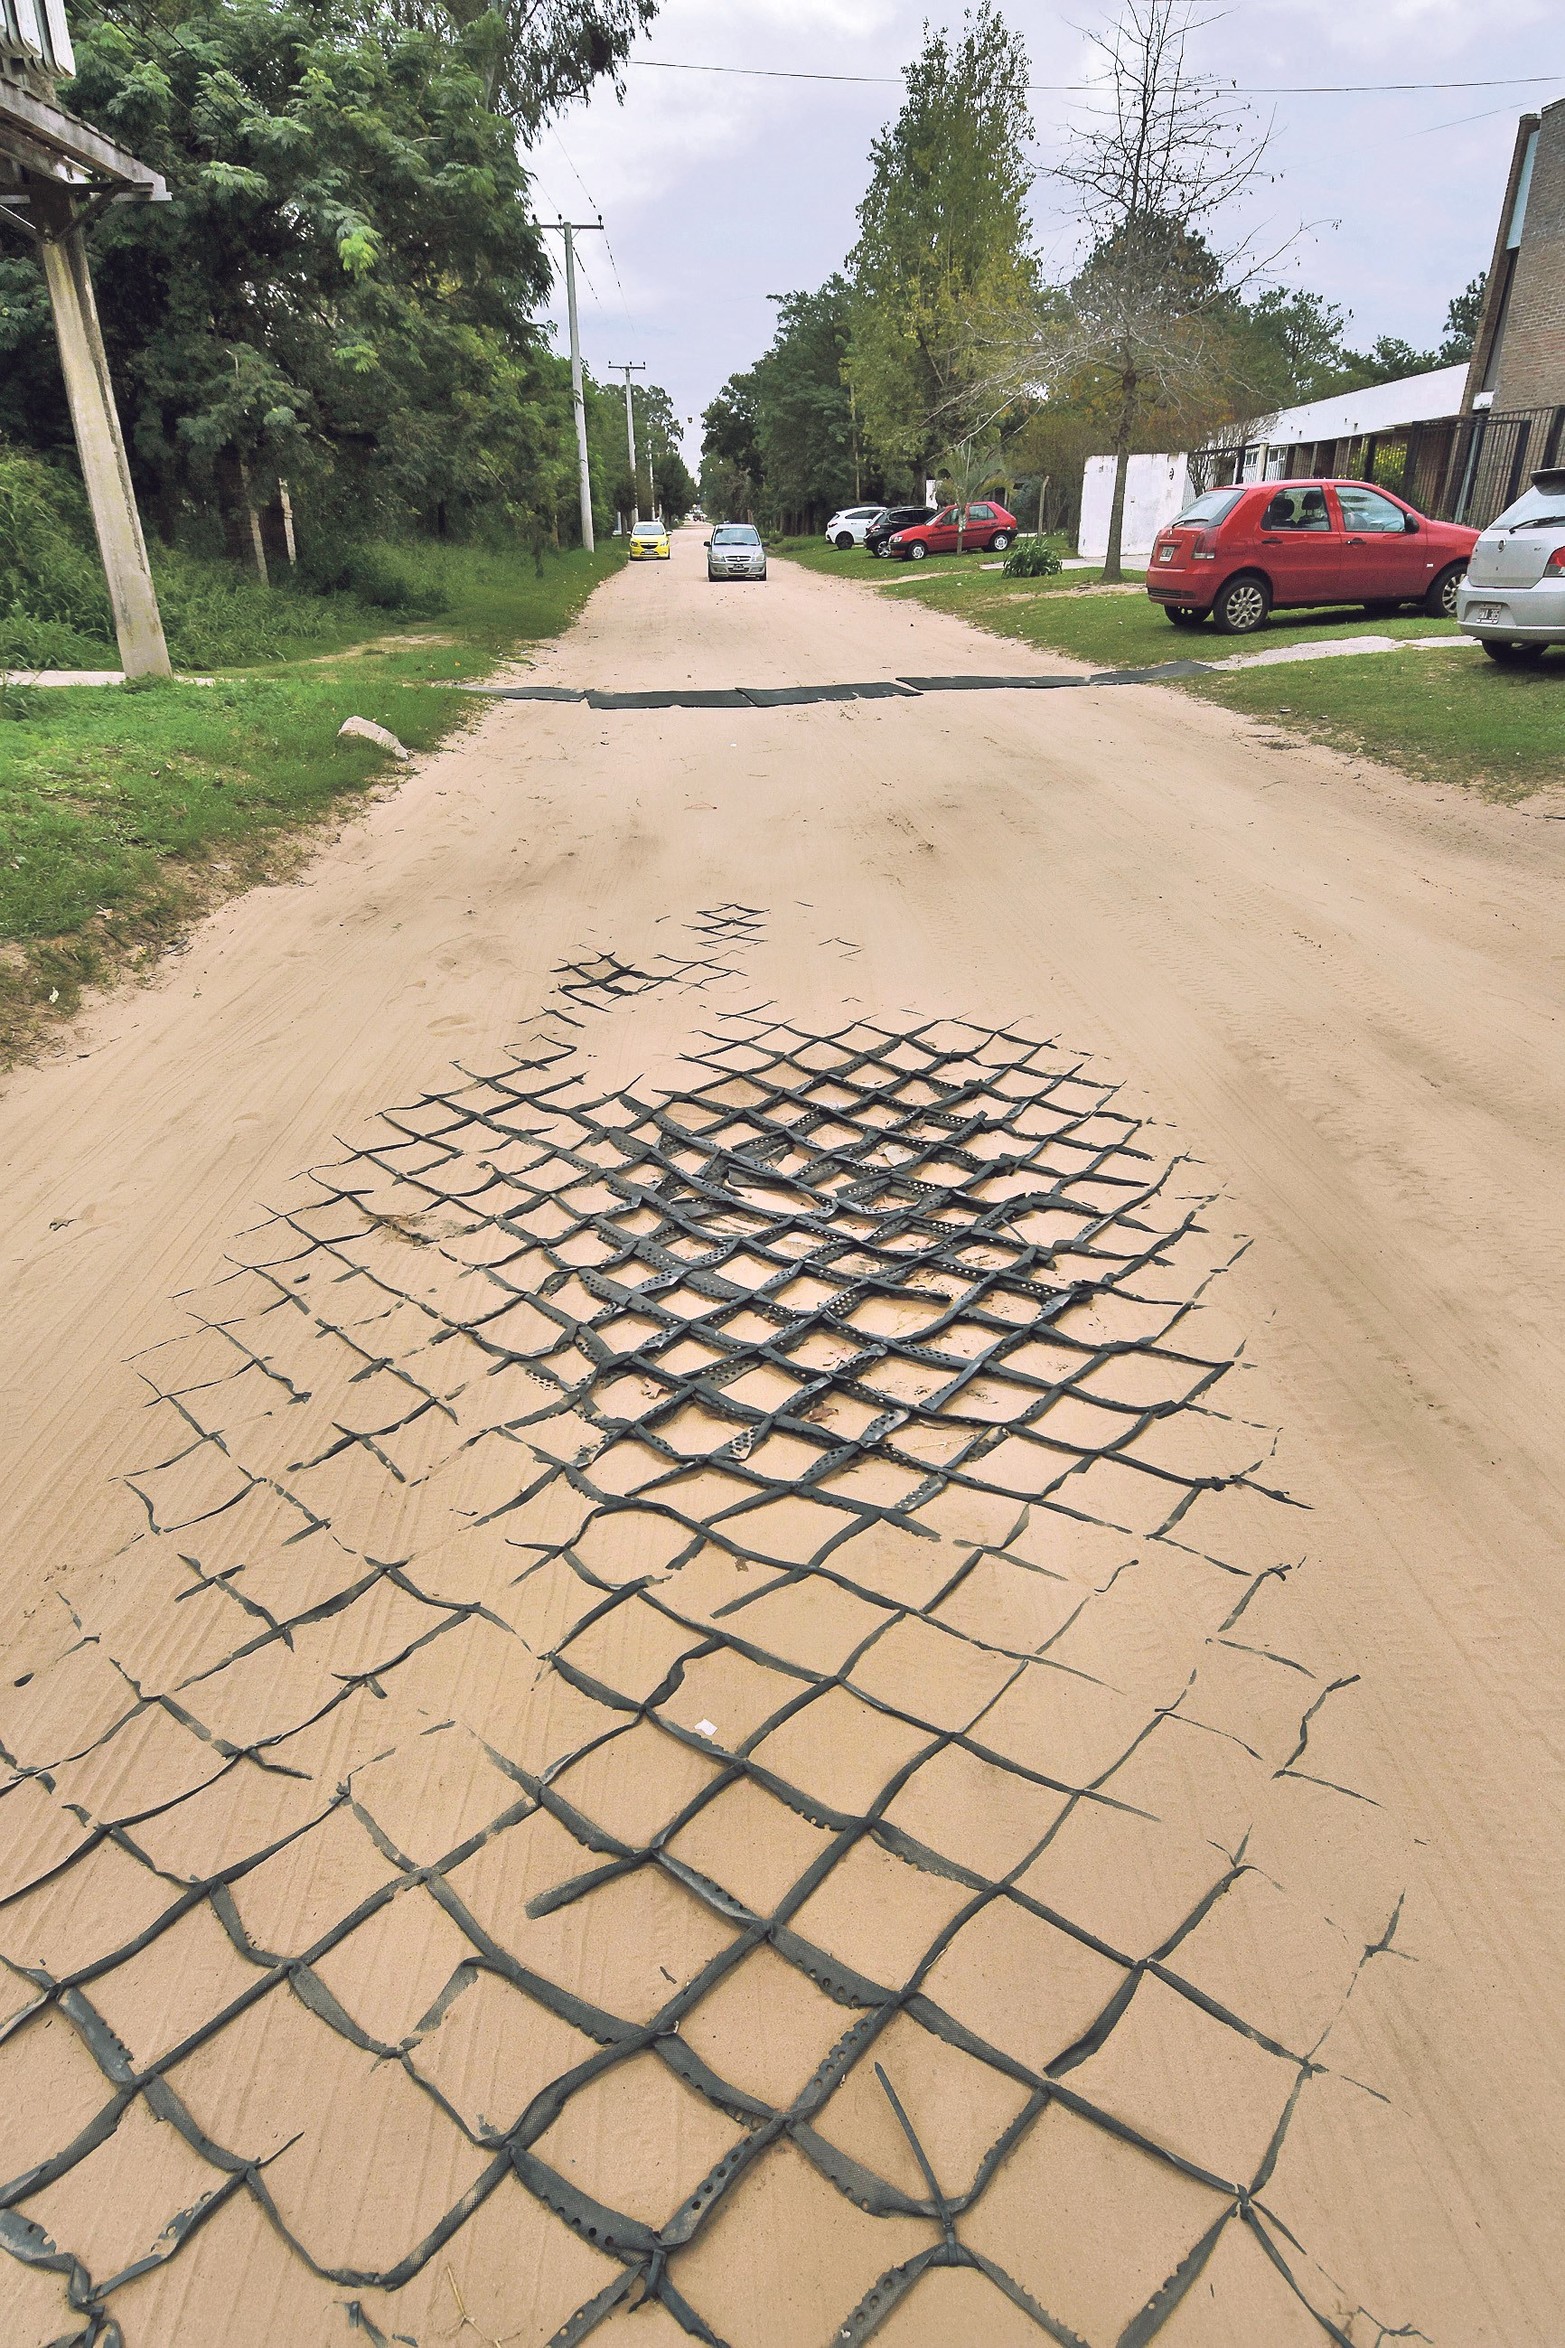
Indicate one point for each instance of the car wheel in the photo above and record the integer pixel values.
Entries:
(999, 542)
(1514, 655)
(881, 553)
(918, 552)
(1242, 606)
(1440, 602)
(844, 541)
(1181, 615)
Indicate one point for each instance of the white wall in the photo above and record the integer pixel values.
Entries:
(1156, 488)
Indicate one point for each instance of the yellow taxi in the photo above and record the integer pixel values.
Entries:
(649, 543)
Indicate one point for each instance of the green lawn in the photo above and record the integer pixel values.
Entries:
(1457, 718)
(124, 811)
(1454, 718)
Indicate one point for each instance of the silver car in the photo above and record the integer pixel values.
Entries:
(734, 551)
(1513, 597)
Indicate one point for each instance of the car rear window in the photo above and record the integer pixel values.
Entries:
(1535, 509)
(1215, 506)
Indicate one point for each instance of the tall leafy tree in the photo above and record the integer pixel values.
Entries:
(549, 51)
(943, 237)
(340, 291)
(806, 424)
(732, 469)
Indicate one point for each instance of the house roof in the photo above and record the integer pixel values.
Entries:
(1381, 407)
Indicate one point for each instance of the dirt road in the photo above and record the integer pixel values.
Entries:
(693, 1649)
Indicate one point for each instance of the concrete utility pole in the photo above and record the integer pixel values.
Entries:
(62, 248)
(627, 368)
(570, 229)
(55, 174)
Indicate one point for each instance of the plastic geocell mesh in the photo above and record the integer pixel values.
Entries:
(604, 1549)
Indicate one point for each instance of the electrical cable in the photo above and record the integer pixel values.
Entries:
(779, 73)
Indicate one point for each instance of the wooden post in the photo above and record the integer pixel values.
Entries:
(100, 444)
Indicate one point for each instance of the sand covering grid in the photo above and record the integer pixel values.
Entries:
(600, 1781)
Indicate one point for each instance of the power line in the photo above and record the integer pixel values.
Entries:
(598, 208)
(779, 73)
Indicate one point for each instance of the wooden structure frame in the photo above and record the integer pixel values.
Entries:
(56, 175)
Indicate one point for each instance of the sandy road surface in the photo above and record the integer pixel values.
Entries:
(662, 1700)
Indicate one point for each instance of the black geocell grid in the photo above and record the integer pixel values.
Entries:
(731, 697)
(901, 1230)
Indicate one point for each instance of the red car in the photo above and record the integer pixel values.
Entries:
(988, 526)
(1238, 553)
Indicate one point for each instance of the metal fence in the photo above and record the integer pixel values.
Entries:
(1458, 468)
(1492, 458)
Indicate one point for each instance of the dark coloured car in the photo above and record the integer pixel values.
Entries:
(877, 538)
(1240, 553)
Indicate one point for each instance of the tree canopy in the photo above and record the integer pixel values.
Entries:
(944, 241)
(342, 291)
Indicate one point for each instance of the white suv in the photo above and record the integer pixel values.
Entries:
(1513, 597)
(847, 528)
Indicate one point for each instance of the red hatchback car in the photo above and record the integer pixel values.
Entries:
(1237, 553)
(988, 527)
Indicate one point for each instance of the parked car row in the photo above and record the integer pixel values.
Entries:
(910, 533)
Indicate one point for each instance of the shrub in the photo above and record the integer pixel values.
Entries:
(1031, 558)
(50, 576)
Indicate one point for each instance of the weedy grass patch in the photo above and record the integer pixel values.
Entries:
(126, 811)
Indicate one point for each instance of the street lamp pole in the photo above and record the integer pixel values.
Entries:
(627, 368)
(570, 229)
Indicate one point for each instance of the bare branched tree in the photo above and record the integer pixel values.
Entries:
(1161, 159)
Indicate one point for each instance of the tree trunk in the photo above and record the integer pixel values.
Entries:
(1130, 389)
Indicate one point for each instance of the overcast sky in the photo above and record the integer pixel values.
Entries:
(719, 190)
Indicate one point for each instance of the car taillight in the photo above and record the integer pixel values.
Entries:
(1556, 561)
(1205, 547)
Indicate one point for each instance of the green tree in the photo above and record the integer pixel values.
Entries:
(969, 469)
(1462, 317)
(807, 430)
(732, 472)
(1294, 347)
(341, 291)
(943, 237)
(676, 491)
(338, 291)
(552, 50)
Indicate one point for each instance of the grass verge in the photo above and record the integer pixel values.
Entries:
(127, 811)
(1453, 718)
(1456, 718)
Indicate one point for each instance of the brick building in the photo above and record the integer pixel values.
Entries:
(1519, 354)
(1513, 410)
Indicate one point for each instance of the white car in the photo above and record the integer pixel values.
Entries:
(1513, 597)
(847, 529)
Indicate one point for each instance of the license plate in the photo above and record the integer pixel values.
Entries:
(1488, 615)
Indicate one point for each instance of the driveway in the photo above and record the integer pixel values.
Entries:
(782, 1510)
